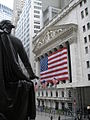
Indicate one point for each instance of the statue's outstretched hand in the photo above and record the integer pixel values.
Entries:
(34, 77)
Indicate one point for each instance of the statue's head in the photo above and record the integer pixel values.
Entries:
(6, 25)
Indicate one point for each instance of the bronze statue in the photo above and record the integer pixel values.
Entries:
(17, 97)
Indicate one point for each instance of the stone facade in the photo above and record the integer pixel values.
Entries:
(67, 27)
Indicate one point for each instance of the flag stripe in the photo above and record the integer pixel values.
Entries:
(57, 57)
(53, 70)
(58, 77)
(54, 75)
(53, 66)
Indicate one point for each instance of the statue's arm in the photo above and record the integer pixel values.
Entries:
(25, 60)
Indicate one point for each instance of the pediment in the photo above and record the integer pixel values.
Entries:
(50, 34)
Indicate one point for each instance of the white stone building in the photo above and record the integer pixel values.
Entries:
(71, 27)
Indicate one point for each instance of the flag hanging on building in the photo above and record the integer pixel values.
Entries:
(54, 66)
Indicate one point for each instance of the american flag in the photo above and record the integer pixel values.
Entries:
(54, 66)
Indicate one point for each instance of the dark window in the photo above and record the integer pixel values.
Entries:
(80, 3)
(88, 76)
(35, 31)
(69, 93)
(62, 93)
(86, 11)
(63, 106)
(36, 16)
(46, 93)
(56, 106)
(37, 22)
(84, 29)
(89, 37)
(70, 106)
(88, 64)
(86, 50)
(51, 94)
(35, 11)
(82, 14)
(85, 1)
(88, 26)
(85, 39)
(36, 7)
(56, 94)
(36, 26)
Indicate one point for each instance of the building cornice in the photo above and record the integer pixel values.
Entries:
(54, 36)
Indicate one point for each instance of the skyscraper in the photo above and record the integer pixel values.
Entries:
(17, 10)
(5, 12)
(29, 24)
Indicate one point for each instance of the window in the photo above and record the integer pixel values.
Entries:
(86, 11)
(82, 14)
(89, 37)
(35, 26)
(88, 64)
(85, 39)
(86, 50)
(35, 31)
(70, 106)
(88, 26)
(46, 93)
(84, 29)
(51, 94)
(36, 7)
(35, 11)
(88, 76)
(69, 94)
(37, 22)
(85, 1)
(56, 94)
(80, 3)
(36, 16)
(62, 93)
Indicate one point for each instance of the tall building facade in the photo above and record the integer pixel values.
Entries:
(69, 30)
(29, 24)
(5, 12)
(17, 10)
(49, 13)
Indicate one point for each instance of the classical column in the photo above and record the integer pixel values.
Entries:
(38, 67)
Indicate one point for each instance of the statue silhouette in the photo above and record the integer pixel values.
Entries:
(17, 97)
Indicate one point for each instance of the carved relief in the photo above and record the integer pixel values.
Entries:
(50, 34)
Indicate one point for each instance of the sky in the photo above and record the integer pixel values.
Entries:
(8, 3)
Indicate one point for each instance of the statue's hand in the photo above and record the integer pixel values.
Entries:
(34, 77)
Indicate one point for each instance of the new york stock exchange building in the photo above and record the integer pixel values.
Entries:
(62, 55)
